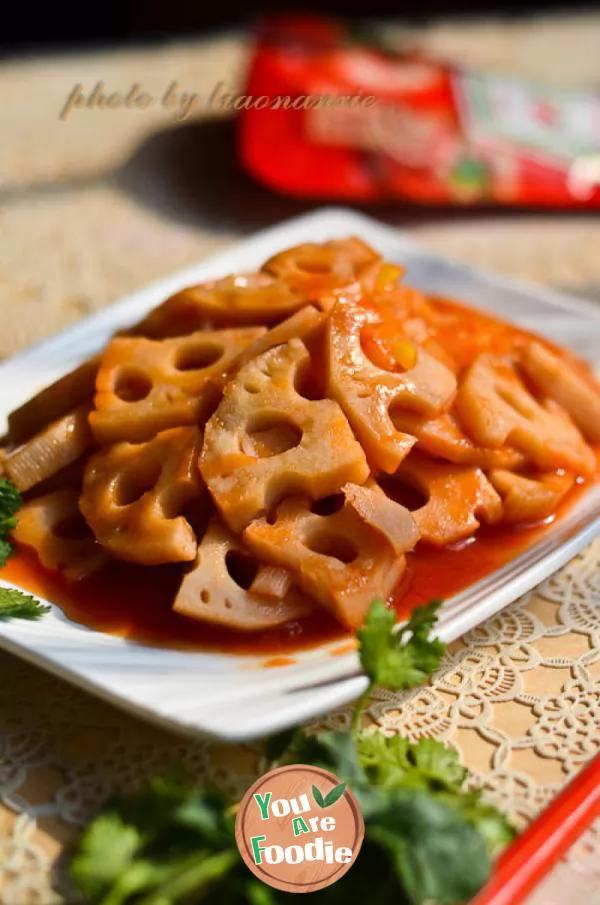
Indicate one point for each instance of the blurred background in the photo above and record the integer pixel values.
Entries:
(99, 202)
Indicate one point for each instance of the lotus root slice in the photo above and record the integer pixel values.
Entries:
(530, 498)
(55, 528)
(458, 498)
(234, 301)
(556, 378)
(496, 409)
(371, 395)
(145, 386)
(266, 441)
(312, 269)
(341, 559)
(219, 588)
(135, 494)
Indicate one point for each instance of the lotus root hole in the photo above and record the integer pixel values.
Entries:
(306, 384)
(328, 505)
(134, 483)
(197, 357)
(241, 567)
(132, 385)
(336, 546)
(405, 494)
(73, 527)
(271, 435)
(396, 409)
(172, 500)
(205, 596)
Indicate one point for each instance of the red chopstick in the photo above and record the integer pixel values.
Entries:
(528, 860)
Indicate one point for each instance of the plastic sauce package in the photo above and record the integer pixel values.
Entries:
(329, 115)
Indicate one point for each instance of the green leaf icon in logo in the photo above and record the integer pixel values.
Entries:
(334, 795)
(318, 797)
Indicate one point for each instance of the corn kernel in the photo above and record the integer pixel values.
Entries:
(405, 354)
(388, 276)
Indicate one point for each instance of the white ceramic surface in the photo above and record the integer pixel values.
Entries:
(228, 696)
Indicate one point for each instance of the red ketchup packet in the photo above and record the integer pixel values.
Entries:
(329, 115)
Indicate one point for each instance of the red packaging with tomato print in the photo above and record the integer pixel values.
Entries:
(330, 115)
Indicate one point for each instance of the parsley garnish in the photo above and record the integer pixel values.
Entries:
(10, 503)
(426, 838)
(397, 660)
(15, 604)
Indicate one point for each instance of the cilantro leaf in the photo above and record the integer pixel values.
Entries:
(395, 762)
(105, 851)
(15, 604)
(438, 764)
(157, 847)
(10, 503)
(334, 751)
(402, 659)
(384, 758)
(5, 551)
(435, 852)
(492, 825)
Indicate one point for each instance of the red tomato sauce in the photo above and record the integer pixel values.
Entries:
(135, 603)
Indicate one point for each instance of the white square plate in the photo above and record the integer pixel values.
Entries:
(228, 696)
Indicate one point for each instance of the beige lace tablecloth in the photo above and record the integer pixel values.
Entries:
(100, 204)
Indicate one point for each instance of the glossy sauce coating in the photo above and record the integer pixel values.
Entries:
(135, 602)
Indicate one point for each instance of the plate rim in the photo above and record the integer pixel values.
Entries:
(332, 684)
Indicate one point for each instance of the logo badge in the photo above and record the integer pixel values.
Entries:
(299, 829)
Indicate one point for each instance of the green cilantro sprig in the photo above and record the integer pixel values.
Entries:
(15, 604)
(397, 659)
(427, 839)
(10, 503)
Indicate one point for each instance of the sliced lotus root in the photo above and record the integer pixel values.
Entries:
(265, 441)
(54, 527)
(134, 496)
(443, 438)
(219, 587)
(343, 560)
(235, 301)
(60, 444)
(304, 325)
(312, 268)
(458, 499)
(496, 409)
(146, 386)
(55, 401)
(370, 395)
(530, 498)
(557, 379)
(272, 582)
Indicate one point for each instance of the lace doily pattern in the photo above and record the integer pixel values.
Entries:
(519, 696)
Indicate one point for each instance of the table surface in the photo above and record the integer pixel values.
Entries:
(104, 202)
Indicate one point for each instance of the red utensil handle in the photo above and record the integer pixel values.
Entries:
(536, 851)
